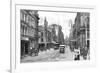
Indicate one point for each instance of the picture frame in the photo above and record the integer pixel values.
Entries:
(17, 66)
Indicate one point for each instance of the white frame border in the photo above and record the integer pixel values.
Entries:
(13, 37)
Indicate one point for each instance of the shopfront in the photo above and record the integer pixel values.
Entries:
(25, 46)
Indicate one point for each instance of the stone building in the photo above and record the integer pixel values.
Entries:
(29, 30)
(49, 35)
(44, 41)
(82, 29)
(81, 32)
(57, 34)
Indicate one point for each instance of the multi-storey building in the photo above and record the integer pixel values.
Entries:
(29, 30)
(82, 27)
(81, 32)
(57, 34)
(45, 35)
(49, 35)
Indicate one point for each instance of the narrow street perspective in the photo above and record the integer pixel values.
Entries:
(48, 36)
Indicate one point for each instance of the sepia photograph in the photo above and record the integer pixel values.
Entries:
(50, 36)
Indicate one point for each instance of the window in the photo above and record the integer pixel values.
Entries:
(41, 39)
(22, 16)
(88, 22)
(41, 34)
(83, 21)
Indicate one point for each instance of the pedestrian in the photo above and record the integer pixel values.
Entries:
(77, 57)
(85, 53)
(30, 51)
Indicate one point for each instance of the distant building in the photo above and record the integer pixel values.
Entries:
(57, 33)
(29, 30)
(50, 35)
(72, 37)
(45, 37)
(54, 32)
(60, 35)
(41, 34)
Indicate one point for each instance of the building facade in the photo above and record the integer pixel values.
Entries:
(45, 37)
(29, 30)
(57, 34)
(83, 29)
(80, 32)
(50, 35)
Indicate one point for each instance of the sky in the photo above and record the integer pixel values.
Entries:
(61, 18)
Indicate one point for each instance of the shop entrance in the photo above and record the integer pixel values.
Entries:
(24, 47)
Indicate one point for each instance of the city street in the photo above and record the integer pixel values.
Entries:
(50, 32)
(51, 55)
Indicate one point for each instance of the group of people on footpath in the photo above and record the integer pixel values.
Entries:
(82, 52)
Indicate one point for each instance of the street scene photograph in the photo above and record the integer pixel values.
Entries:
(50, 36)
